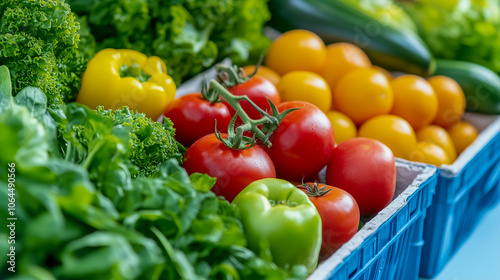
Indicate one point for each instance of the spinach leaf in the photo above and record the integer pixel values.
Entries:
(5, 88)
(34, 99)
(100, 254)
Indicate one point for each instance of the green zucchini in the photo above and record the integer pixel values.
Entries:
(336, 21)
(481, 86)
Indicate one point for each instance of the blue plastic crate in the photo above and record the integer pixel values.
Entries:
(465, 190)
(390, 244)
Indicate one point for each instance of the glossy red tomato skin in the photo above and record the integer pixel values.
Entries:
(194, 117)
(303, 143)
(234, 169)
(257, 89)
(365, 168)
(339, 217)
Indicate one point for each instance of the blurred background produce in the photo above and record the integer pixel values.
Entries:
(190, 35)
(407, 36)
(387, 12)
(388, 45)
(459, 29)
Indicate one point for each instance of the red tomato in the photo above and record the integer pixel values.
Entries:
(257, 89)
(365, 168)
(234, 169)
(194, 117)
(303, 143)
(339, 215)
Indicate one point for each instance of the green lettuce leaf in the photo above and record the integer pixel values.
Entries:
(462, 30)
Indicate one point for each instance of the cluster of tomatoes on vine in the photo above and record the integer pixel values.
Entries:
(238, 131)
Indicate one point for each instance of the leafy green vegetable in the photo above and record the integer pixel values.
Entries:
(82, 132)
(86, 45)
(151, 142)
(56, 203)
(34, 99)
(38, 42)
(463, 30)
(190, 35)
(85, 217)
(5, 88)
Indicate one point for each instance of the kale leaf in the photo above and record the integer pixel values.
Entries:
(38, 42)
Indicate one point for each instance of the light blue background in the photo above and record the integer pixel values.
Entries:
(479, 256)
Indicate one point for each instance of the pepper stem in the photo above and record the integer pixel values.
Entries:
(135, 71)
(282, 202)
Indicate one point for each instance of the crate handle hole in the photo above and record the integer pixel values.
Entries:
(412, 213)
(353, 273)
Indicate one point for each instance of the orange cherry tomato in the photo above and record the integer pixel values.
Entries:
(430, 153)
(393, 131)
(363, 94)
(439, 136)
(414, 100)
(305, 86)
(343, 127)
(342, 58)
(462, 134)
(451, 100)
(297, 50)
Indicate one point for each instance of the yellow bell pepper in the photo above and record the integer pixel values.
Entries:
(117, 78)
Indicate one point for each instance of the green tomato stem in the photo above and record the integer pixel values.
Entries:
(229, 77)
(248, 123)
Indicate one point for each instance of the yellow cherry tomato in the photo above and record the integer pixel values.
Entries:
(342, 58)
(439, 136)
(264, 72)
(386, 73)
(393, 131)
(414, 100)
(430, 153)
(297, 50)
(363, 94)
(343, 127)
(462, 134)
(305, 86)
(451, 100)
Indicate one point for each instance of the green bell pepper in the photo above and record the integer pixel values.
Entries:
(275, 212)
